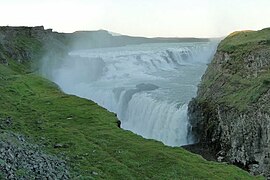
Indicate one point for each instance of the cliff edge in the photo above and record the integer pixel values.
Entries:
(231, 113)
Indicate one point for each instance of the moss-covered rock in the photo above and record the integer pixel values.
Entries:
(231, 112)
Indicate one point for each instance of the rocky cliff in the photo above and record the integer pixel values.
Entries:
(26, 43)
(231, 113)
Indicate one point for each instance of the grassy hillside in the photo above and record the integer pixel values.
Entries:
(246, 39)
(86, 135)
(240, 73)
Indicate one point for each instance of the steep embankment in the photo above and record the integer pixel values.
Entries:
(75, 134)
(231, 113)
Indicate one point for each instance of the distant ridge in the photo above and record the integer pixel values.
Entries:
(104, 38)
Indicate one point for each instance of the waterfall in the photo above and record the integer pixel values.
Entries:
(156, 119)
(148, 86)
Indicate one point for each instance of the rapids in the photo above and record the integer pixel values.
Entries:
(148, 86)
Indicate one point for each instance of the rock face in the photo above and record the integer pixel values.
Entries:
(231, 113)
(23, 44)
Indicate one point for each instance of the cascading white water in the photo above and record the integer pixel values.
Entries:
(162, 121)
(148, 85)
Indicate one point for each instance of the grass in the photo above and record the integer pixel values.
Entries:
(230, 82)
(244, 40)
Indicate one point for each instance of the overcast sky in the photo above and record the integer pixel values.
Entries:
(181, 18)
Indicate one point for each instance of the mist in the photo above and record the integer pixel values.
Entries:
(148, 85)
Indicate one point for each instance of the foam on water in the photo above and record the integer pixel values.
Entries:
(148, 86)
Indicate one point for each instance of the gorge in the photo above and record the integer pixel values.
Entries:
(82, 138)
(148, 86)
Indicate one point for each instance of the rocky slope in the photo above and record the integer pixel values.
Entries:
(231, 113)
(20, 159)
(44, 132)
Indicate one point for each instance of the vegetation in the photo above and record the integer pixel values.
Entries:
(242, 79)
(88, 137)
(240, 40)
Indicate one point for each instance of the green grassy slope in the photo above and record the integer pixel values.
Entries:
(246, 39)
(240, 80)
(92, 144)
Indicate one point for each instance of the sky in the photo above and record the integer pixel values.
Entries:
(149, 18)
